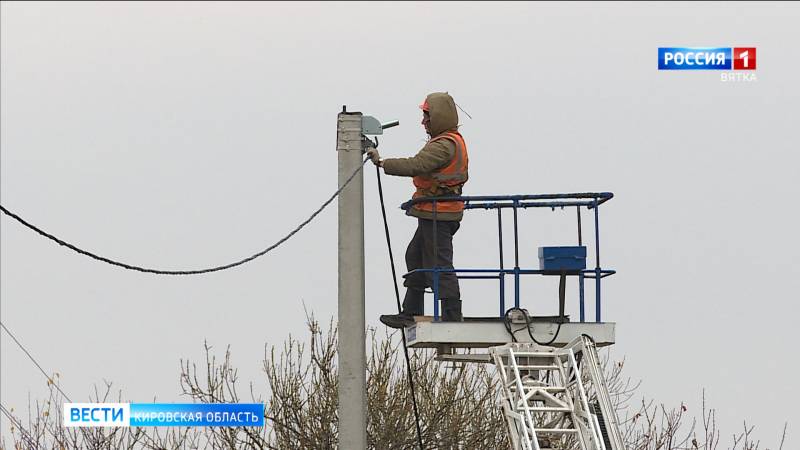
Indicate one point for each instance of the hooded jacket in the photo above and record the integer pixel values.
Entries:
(435, 155)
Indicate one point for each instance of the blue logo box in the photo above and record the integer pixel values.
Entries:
(163, 415)
(695, 58)
(197, 414)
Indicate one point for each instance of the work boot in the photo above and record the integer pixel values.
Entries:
(399, 321)
(451, 311)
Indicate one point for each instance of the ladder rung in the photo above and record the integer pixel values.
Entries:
(530, 367)
(545, 388)
(555, 430)
(548, 409)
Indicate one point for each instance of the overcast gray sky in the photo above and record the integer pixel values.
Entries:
(184, 135)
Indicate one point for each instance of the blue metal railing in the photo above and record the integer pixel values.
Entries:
(589, 200)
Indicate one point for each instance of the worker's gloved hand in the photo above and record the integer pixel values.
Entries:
(375, 157)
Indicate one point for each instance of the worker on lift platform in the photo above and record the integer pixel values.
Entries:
(439, 169)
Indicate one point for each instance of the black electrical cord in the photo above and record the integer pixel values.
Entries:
(507, 323)
(562, 289)
(186, 272)
(528, 322)
(399, 310)
(530, 331)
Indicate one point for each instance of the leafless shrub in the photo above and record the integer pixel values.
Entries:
(457, 405)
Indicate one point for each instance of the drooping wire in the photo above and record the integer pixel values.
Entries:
(26, 435)
(507, 323)
(399, 310)
(528, 323)
(186, 272)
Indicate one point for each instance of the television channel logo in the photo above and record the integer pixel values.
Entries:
(706, 58)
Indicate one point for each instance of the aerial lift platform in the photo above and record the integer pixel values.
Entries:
(552, 388)
(479, 333)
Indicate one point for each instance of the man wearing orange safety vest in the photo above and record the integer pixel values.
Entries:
(439, 169)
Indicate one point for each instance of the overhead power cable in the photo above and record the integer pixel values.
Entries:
(51, 382)
(399, 310)
(36, 363)
(86, 435)
(26, 436)
(185, 272)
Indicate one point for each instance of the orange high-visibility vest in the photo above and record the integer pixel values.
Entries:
(447, 180)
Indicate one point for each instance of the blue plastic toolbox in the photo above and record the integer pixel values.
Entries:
(558, 259)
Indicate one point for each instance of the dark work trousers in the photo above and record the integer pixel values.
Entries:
(420, 255)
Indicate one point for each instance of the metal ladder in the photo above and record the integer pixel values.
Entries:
(556, 398)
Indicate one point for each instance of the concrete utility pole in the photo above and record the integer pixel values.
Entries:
(352, 334)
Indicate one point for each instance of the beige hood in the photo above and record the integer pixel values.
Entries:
(442, 109)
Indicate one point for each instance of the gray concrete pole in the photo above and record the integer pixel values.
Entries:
(352, 334)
